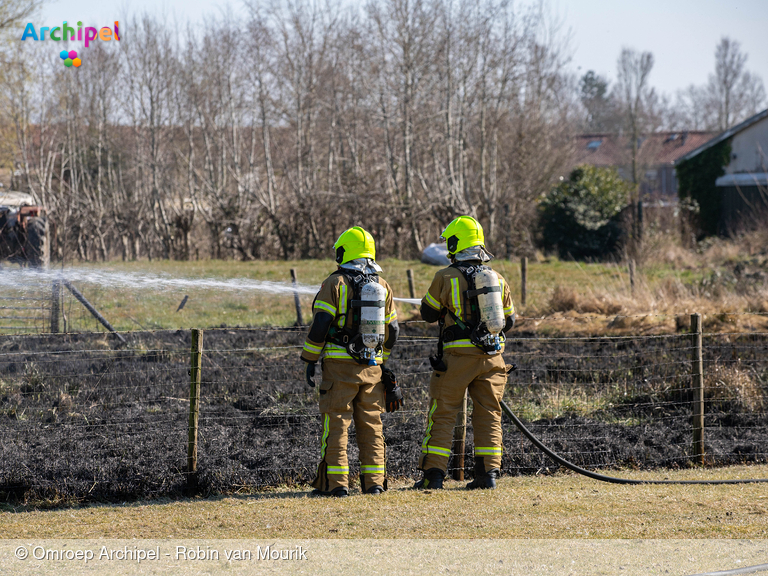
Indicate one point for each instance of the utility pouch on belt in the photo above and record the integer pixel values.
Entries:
(394, 394)
(437, 363)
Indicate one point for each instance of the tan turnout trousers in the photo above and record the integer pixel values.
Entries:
(484, 377)
(351, 392)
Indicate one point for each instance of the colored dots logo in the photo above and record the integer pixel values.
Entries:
(70, 58)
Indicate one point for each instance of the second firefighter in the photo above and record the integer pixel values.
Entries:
(473, 305)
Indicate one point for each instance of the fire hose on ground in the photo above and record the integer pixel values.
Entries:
(602, 477)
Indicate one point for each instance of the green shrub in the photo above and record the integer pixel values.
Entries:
(580, 218)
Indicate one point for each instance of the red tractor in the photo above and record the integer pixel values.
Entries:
(23, 231)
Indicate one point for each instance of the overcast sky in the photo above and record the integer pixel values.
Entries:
(681, 34)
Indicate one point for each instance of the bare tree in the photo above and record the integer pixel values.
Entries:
(731, 95)
(735, 92)
(729, 67)
(634, 97)
(148, 60)
(404, 48)
(13, 12)
(690, 110)
(307, 120)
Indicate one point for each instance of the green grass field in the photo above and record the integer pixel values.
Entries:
(562, 297)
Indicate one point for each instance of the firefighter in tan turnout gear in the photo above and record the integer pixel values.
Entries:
(473, 305)
(353, 330)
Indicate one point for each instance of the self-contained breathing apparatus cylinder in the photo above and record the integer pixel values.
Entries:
(490, 308)
(372, 301)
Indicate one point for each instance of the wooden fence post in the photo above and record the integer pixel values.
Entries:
(411, 289)
(523, 279)
(697, 387)
(299, 317)
(195, 375)
(459, 441)
(55, 307)
(632, 271)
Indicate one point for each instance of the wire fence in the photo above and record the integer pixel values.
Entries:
(24, 313)
(36, 309)
(84, 417)
(51, 304)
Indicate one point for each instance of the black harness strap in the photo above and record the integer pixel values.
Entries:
(484, 290)
(437, 361)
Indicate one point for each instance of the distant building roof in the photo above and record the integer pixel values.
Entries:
(656, 148)
(724, 136)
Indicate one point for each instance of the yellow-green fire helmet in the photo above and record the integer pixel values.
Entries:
(354, 243)
(464, 232)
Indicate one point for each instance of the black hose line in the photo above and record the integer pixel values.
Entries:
(603, 478)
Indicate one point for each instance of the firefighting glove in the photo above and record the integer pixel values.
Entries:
(310, 372)
(394, 398)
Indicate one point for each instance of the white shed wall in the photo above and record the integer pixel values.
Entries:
(749, 149)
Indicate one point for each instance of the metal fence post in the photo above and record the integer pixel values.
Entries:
(55, 306)
(95, 313)
(632, 271)
(296, 301)
(523, 279)
(194, 398)
(411, 288)
(697, 388)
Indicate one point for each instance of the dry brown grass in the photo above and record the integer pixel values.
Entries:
(718, 251)
(725, 280)
(758, 303)
(560, 506)
(733, 387)
(565, 299)
(664, 249)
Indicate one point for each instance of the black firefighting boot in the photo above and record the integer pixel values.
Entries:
(483, 479)
(374, 490)
(432, 480)
(339, 492)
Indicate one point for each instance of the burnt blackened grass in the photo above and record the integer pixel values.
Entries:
(84, 420)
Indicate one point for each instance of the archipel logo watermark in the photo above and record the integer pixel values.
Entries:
(70, 58)
(64, 32)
